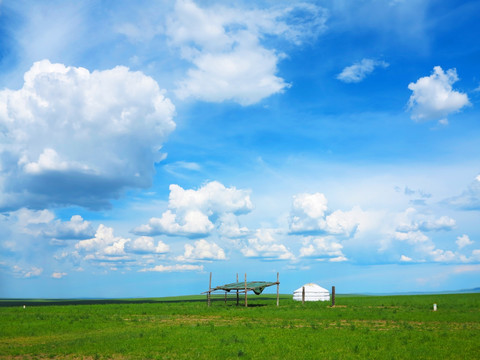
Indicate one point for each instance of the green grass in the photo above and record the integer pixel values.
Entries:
(368, 327)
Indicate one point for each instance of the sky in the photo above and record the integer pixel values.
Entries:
(145, 144)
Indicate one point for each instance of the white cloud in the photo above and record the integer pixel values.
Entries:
(192, 223)
(26, 216)
(224, 45)
(412, 237)
(146, 245)
(42, 223)
(338, 259)
(425, 249)
(57, 124)
(34, 272)
(404, 258)
(411, 220)
(174, 268)
(58, 275)
(313, 205)
(359, 70)
(323, 248)
(202, 250)
(344, 222)
(49, 160)
(433, 97)
(310, 215)
(104, 246)
(212, 198)
(75, 228)
(308, 212)
(193, 212)
(440, 255)
(463, 241)
(245, 75)
(265, 246)
(230, 228)
(468, 199)
(30, 273)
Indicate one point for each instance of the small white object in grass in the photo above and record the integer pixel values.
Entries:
(24, 306)
(434, 307)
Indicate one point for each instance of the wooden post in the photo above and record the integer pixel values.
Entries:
(246, 302)
(237, 290)
(278, 289)
(303, 295)
(209, 290)
(225, 297)
(333, 295)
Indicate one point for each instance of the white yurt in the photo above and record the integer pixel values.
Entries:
(313, 292)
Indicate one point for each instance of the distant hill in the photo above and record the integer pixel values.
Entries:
(474, 290)
(462, 291)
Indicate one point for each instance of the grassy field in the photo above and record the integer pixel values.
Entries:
(363, 327)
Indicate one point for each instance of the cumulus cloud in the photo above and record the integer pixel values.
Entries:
(359, 70)
(202, 250)
(75, 137)
(58, 275)
(323, 248)
(103, 246)
(26, 217)
(463, 241)
(146, 245)
(229, 226)
(411, 220)
(224, 45)
(423, 249)
(193, 223)
(310, 215)
(32, 272)
(194, 213)
(440, 255)
(265, 246)
(174, 268)
(412, 237)
(433, 97)
(42, 223)
(405, 258)
(75, 228)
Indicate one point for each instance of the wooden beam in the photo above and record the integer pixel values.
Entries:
(278, 291)
(209, 290)
(333, 295)
(237, 290)
(303, 295)
(246, 302)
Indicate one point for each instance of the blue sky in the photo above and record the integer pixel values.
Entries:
(145, 144)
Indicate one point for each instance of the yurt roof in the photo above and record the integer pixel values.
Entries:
(311, 287)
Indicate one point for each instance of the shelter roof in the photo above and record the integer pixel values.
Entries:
(256, 286)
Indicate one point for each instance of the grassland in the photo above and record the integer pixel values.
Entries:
(386, 327)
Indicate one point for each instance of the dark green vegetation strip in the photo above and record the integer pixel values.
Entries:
(393, 327)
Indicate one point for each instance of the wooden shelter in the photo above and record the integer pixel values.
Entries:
(242, 287)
